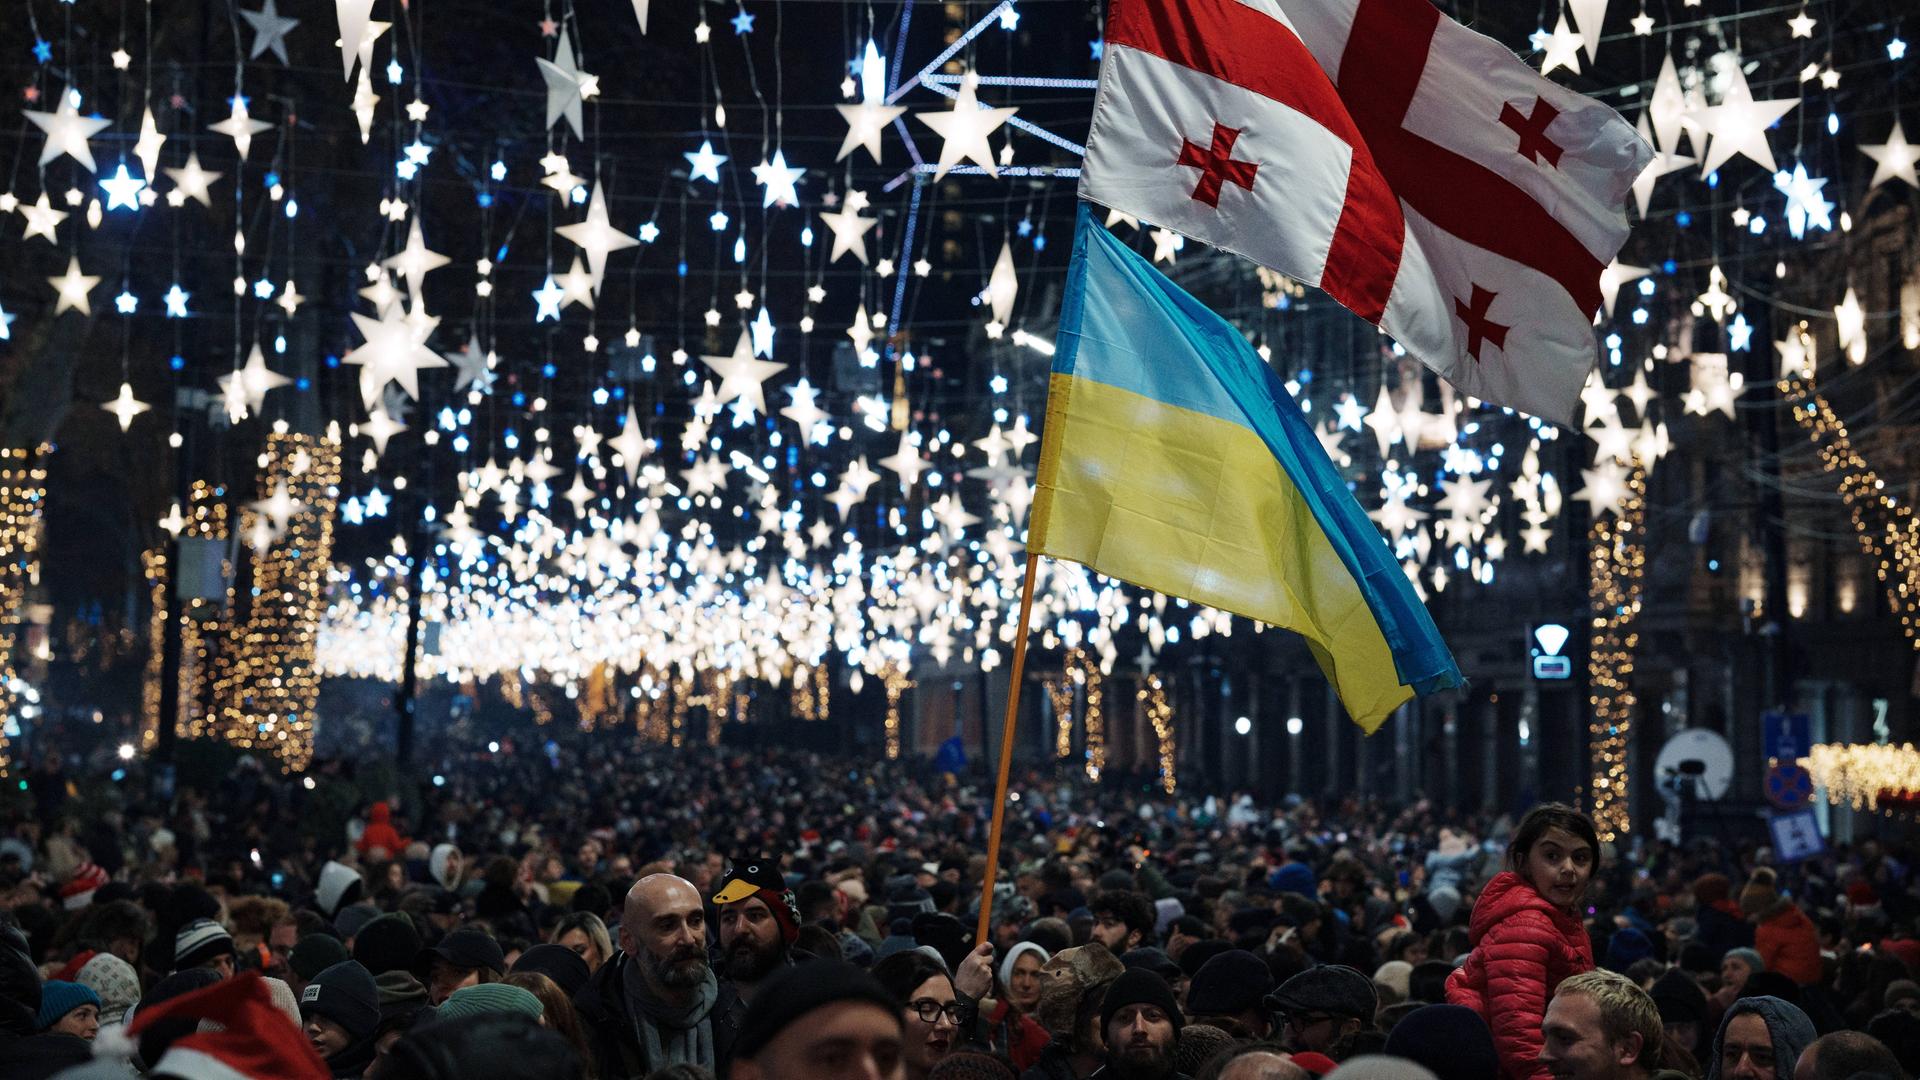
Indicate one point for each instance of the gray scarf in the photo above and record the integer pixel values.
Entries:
(672, 1035)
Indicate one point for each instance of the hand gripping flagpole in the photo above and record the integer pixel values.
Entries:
(1006, 749)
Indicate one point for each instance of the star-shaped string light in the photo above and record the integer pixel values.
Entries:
(67, 131)
(964, 129)
(804, 410)
(240, 126)
(548, 296)
(414, 261)
(73, 288)
(742, 376)
(124, 407)
(1805, 205)
(778, 179)
(871, 116)
(597, 237)
(147, 148)
(906, 461)
(1561, 48)
(395, 351)
(1894, 159)
(1738, 125)
(763, 330)
(269, 31)
(567, 86)
(381, 426)
(704, 164)
(43, 219)
(192, 182)
(849, 233)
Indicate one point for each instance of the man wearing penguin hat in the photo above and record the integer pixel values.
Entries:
(758, 923)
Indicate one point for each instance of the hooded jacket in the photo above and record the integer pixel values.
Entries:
(1523, 947)
(339, 885)
(608, 1023)
(1788, 941)
(381, 833)
(1790, 1028)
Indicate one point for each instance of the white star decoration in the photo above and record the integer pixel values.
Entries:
(73, 287)
(269, 31)
(597, 237)
(849, 233)
(395, 351)
(192, 181)
(742, 376)
(779, 180)
(67, 131)
(1893, 160)
(965, 128)
(906, 461)
(240, 126)
(124, 408)
(1738, 125)
(567, 86)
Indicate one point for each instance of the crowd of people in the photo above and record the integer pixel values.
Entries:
(597, 909)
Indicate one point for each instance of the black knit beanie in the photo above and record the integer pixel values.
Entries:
(346, 995)
(793, 992)
(388, 943)
(1139, 986)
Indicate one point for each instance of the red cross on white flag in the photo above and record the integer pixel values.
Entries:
(1415, 170)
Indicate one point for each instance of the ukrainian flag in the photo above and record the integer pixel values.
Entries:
(1174, 458)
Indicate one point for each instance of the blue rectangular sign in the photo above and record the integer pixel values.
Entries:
(1788, 736)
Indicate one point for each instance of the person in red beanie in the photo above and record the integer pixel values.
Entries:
(1783, 935)
(1527, 933)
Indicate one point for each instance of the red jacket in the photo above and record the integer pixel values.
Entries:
(381, 833)
(1787, 941)
(1522, 947)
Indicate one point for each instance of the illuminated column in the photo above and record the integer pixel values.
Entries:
(23, 490)
(271, 688)
(1617, 561)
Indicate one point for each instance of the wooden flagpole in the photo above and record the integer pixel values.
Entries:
(1006, 749)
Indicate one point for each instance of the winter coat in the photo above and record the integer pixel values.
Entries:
(1523, 947)
(609, 1026)
(1787, 941)
(1056, 1063)
(23, 1054)
(1719, 926)
(381, 833)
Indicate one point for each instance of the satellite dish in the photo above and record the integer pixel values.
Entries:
(1699, 756)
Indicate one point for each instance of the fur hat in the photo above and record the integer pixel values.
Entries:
(1065, 979)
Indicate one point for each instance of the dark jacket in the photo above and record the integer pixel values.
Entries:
(23, 1054)
(611, 1038)
(1056, 1063)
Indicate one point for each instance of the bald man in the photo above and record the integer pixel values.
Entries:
(1262, 1064)
(657, 1003)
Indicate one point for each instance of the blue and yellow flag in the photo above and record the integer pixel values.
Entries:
(1174, 458)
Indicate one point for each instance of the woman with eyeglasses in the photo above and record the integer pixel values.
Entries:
(1528, 933)
(928, 1006)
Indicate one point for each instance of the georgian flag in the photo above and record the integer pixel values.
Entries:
(1418, 172)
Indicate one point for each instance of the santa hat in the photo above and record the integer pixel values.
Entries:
(257, 1041)
(762, 878)
(79, 889)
